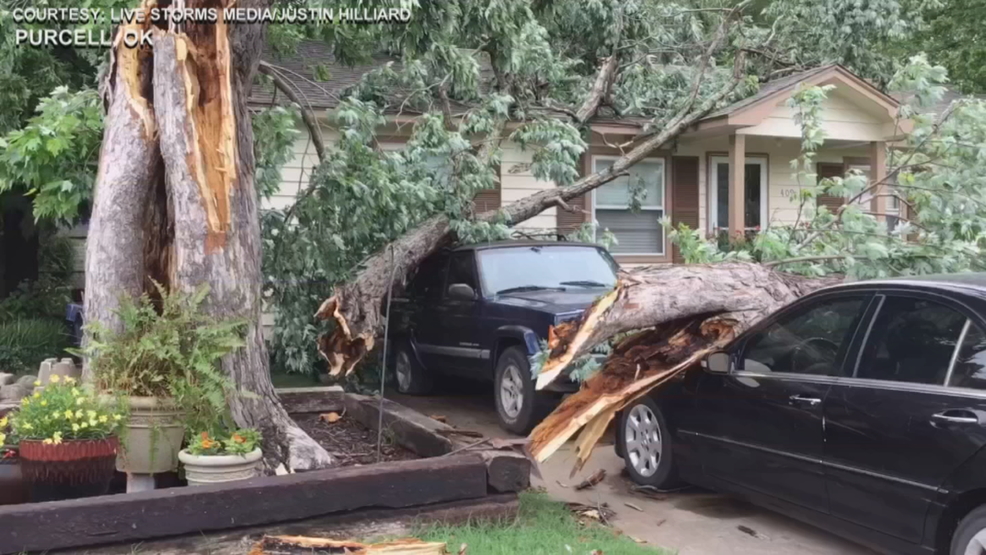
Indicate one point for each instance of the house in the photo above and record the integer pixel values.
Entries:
(731, 171)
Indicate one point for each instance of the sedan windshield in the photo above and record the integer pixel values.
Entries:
(561, 268)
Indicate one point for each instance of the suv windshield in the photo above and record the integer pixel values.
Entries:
(545, 267)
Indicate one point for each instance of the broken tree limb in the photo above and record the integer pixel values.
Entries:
(650, 296)
(637, 365)
(599, 90)
(206, 137)
(307, 114)
(409, 546)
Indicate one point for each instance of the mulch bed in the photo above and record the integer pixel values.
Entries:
(350, 443)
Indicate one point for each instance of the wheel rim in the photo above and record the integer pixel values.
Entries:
(511, 392)
(977, 545)
(643, 440)
(403, 371)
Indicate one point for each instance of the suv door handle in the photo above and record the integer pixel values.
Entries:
(798, 399)
(955, 417)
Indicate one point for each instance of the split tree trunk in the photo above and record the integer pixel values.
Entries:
(207, 146)
(685, 312)
(128, 172)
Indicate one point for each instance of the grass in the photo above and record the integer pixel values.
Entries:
(543, 527)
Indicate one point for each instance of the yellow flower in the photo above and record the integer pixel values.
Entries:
(26, 426)
(25, 402)
(75, 391)
(80, 400)
(92, 422)
(3, 437)
(91, 413)
(3, 422)
(69, 380)
(116, 417)
(48, 441)
(36, 395)
(69, 415)
(75, 427)
(44, 402)
(37, 383)
(54, 378)
(84, 425)
(57, 438)
(103, 418)
(78, 413)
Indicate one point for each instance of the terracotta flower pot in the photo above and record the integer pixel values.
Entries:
(13, 488)
(201, 470)
(153, 437)
(71, 469)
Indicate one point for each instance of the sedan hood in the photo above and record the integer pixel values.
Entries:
(552, 302)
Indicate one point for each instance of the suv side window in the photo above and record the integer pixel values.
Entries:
(428, 281)
(462, 269)
(970, 365)
(911, 340)
(809, 341)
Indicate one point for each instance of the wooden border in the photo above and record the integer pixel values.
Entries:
(302, 400)
(267, 500)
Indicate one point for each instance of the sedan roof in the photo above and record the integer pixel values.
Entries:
(963, 282)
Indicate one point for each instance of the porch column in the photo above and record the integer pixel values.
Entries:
(737, 185)
(878, 172)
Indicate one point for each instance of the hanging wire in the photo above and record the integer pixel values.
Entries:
(383, 365)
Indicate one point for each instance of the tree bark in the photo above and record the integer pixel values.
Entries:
(207, 146)
(128, 171)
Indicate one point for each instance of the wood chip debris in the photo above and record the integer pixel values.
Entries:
(592, 480)
(591, 513)
(439, 418)
(407, 546)
(330, 417)
(750, 531)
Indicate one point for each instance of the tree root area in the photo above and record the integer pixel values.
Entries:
(351, 444)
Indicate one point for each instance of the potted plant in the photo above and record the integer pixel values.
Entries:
(212, 460)
(164, 363)
(13, 489)
(67, 441)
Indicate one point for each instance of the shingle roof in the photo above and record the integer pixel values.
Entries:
(769, 88)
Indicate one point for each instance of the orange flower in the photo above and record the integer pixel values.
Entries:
(205, 436)
(238, 438)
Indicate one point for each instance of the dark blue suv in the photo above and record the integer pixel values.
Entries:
(481, 311)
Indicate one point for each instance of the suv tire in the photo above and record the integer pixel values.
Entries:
(970, 531)
(518, 406)
(645, 444)
(410, 376)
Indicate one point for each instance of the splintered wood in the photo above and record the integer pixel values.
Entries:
(638, 364)
(275, 545)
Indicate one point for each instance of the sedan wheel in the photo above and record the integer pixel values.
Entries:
(977, 544)
(643, 440)
(511, 391)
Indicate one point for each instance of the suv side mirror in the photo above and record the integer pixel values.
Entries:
(461, 291)
(718, 363)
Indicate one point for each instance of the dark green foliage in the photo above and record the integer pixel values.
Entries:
(25, 342)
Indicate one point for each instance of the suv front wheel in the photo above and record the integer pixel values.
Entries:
(518, 406)
(411, 377)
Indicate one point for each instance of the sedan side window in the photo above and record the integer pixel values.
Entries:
(970, 365)
(810, 341)
(911, 340)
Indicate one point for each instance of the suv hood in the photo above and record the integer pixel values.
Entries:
(552, 302)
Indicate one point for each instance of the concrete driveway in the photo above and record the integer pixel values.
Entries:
(692, 521)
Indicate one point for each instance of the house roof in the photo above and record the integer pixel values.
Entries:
(769, 89)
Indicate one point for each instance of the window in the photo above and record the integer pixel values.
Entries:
(636, 232)
(811, 341)
(892, 204)
(911, 340)
(427, 282)
(548, 267)
(754, 188)
(462, 270)
(970, 364)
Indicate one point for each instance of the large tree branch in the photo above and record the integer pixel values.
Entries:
(599, 90)
(307, 114)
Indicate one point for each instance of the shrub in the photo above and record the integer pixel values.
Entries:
(64, 411)
(25, 343)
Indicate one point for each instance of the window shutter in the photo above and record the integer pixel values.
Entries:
(566, 221)
(487, 199)
(684, 195)
(829, 170)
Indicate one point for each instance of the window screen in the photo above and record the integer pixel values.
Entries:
(640, 231)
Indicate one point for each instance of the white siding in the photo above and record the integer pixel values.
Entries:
(841, 119)
(517, 182)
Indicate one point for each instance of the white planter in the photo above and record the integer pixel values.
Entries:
(153, 437)
(201, 470)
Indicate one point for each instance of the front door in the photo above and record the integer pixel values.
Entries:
(755, 185)
(761, 425)
(908, 416)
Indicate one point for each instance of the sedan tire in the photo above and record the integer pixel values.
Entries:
(970, 535)
(646, 445)
(411, 377)
(518, 406)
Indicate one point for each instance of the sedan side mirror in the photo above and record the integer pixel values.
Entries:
(718, 363)
(462, 292)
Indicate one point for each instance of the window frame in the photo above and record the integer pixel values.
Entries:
(665, 207)
(475, 269)
(712, 182)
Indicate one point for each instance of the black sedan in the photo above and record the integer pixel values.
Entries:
(860, 408)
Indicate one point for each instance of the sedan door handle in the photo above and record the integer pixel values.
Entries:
(810, 401)
(955, 417)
